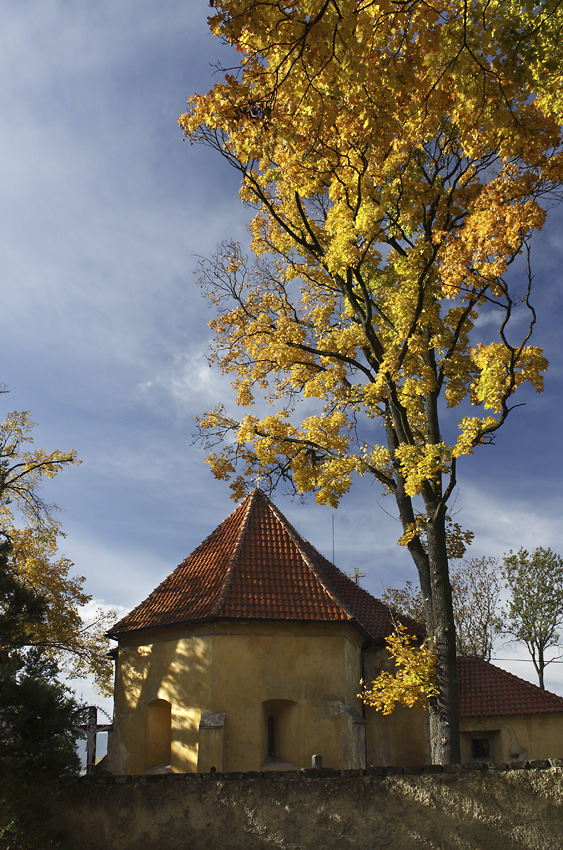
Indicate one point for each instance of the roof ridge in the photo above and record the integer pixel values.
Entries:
(236, 552)
(313, 564)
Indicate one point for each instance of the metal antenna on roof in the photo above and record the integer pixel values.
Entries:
(333, 537)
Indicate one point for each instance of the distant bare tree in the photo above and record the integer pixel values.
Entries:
(476, 590)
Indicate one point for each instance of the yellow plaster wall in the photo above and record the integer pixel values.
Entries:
(160, 668)
(233, 668)
(400, 738)
(521, 737)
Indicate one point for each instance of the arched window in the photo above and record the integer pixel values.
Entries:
(271, 736)
(158, 734)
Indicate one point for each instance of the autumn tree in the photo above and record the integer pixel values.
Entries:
(476, 588)
(33, 531)
(37, 712)
(534, 613)
(396, 155)
(19, 606)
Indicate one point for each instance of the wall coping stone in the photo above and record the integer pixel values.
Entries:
(311, 774)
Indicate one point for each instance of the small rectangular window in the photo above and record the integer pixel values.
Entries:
(480, 749)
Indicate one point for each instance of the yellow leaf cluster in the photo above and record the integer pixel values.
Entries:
(496, 371)
(422, 463)
(414, 680)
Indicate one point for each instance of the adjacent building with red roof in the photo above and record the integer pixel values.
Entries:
(505, 718)
(248, 656)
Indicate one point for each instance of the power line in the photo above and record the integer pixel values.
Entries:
(525, 660)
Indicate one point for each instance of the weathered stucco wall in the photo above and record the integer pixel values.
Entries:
(304, 674)
(199, 697)
(537, 736)
(399, 738)
(457, 808)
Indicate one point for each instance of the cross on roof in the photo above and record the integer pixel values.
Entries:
(356, 575)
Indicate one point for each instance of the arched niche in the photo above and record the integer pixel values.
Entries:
(158, 734)
(280, 734)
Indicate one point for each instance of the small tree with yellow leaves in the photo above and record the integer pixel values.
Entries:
(30, 525)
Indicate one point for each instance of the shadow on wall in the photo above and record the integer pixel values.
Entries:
(474, 807)
(151, 707)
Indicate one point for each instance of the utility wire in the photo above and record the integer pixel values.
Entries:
(526, 660)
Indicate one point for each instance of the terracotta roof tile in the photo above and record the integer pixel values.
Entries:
(256, 566)
(488, 691)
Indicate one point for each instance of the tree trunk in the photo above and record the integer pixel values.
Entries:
(444, 708)
(541, 667)
(433, 572)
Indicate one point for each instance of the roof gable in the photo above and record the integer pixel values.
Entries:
(488, 691)
(256, 566)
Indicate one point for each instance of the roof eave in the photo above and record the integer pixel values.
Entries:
(218, 618)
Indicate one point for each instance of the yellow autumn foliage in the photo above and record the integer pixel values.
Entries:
(29, 523)
(414, 680)
(398, 158)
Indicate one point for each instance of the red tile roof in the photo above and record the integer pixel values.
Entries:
(488, 691)
(256, 566)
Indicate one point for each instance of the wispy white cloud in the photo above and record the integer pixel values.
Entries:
(504, 517)
(190, 381)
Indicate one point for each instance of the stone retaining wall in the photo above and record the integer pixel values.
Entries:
(515, 806)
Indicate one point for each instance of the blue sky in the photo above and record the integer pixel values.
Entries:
(104, 333)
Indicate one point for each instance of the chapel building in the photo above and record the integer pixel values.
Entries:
(249, 656)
